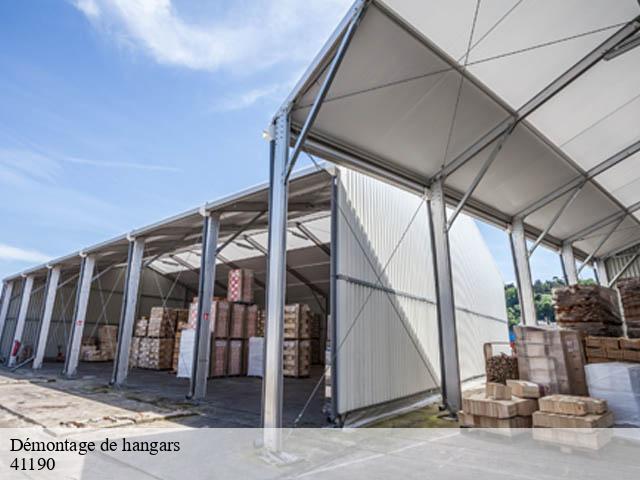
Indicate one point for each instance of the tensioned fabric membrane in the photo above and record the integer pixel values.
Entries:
(427, 89)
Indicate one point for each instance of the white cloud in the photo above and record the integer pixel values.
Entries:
(7, 252)
(246, 37)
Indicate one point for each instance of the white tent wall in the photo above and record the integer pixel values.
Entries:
(10, 324)
(615, 264)
(388, 351)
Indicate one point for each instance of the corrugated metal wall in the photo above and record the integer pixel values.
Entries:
(617, 263)
(386, 319)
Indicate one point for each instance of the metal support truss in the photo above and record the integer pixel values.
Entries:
(7, 291)
(239, 232)
(449, 362)
(27, 287)
(130, 297)
(555, 218)
(272, 384)
(600, 245)
(569, 264)
(311, 236)
(79, 316)
(547, 93)
(324, 88)
(53, 278)
(522, 268)
(483, 170)
(202, 345)
(624, 269)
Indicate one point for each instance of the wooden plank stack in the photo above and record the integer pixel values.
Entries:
(552, 358)
(496, 407)
(590, 309)
(569, 411)
(100, 349)
(629, 289)
(612, 349)
(153, 346)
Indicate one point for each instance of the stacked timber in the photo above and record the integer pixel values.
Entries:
(612, 349)
(155, 353)
(551, 358)
(590, 309)
(162, 322)
(317, 335)
(153, 347)
(629, 289)
(496, 407)
(569, 411)
(297, 346)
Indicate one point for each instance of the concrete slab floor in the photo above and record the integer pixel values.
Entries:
(43, 397)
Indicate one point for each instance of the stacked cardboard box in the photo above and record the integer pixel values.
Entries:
(569, 411)
(629, 289)
(612, 349)
(297, 347)
(162, 322)
(100, 349)
(218, 358)
(297, 321)
(240, 286)
(134, 353)
(552, 358)
(316, 333)
(496, 407)
(155, 353)
(591, 309)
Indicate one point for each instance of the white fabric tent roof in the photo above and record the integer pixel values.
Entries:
(408, 104)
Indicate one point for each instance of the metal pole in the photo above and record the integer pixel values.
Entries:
(130, 297)
(450, 365)
(80, 314)
(601, 269)
(4, 309)
(22, 317)
(202, 345)
(523, 271)
(333, 296)
(569, 262)
(47, 314)
(276, 284)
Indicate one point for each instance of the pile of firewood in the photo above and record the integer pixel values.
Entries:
(500, 368)
(629, 289)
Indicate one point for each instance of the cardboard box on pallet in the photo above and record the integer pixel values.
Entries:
(296, 358)
(251, 326)
(240, 286)
(238, 320)
(140, 329)
(218, 358)
(297, 321)
(155, 353)
(236, 358)
(162, 322)
(561, 370)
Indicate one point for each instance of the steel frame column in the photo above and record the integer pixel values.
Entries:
(53, 279)
(79, 316)
(449, 361)
(202, 345)
(522, 268)
(131, 295)
(272, 384)
(569, 263)
(601, 271)
(7, 291)
(27, 287)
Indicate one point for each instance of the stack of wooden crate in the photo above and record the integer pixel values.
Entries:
(552, 358)
(612, 349)
(155, 353)
(297, 347)
(153, 345)
(569, 411)
(497, 407)
(629, 289)
(590, 309)
(100, 349)
(162, 322)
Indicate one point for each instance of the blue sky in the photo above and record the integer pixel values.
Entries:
(116, 113)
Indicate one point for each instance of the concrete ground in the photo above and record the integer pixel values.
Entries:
(44, 398)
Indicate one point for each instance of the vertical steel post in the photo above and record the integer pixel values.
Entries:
(333, 297)
(50, 300)
(202, 346)
(276, 284)
(7, 291)
(523, 271)
(79, 316)
(130, 297)
(27, 287)
(569, 263)
(601, 270)
(449, 361)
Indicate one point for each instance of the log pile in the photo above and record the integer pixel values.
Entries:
(612, 349)
(629, 289)
(590, 309)
(500, 368)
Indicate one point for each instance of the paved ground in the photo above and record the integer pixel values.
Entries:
(45, 398)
